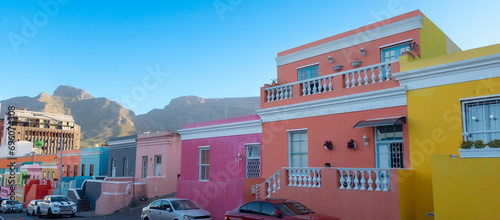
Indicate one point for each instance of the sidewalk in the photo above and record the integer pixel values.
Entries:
(137, 208)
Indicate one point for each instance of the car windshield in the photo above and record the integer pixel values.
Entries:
(184, 205)
(60, 199)
(293, 208)
(10, 202)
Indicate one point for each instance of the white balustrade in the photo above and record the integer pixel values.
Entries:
(279, 92)
(304, 177)
(363, 179)
(367, 75)
(317, 85)
(273, 183)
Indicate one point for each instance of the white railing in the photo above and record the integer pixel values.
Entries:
(356, 77)
(365, 179)
(367, 75)
(304, 177)
(273, 183)
(279, 92)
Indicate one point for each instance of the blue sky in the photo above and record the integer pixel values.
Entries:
(144, 53)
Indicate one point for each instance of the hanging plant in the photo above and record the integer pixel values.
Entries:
(351, 145)
(328, 145)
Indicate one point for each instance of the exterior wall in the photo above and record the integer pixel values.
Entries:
(71, 157)
(114, 196)
(4, 162)
(167, 145)
(434, 113)
(93, 191)
(225, 189)
(465, 188)
(433, 41)
(97, 156)
(120, 148)
(337, 128)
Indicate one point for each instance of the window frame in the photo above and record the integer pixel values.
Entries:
(200, 165)
(309, 69)
(248, 157)
(145, 167)
(290, 143)
(397, 48)
(157, 165)
(388, 142)
(465, 103)
(125, 166)
(91, 169)
(83, 169)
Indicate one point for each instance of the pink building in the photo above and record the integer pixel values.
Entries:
(220, 163)
(158, 162)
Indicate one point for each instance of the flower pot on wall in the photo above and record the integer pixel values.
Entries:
(356, 63)
(337, 68)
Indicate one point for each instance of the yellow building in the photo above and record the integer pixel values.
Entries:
(450, 99)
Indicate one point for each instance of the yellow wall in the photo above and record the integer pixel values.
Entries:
(435, 122)
(466, 188)
(406, 195)
(433, 42)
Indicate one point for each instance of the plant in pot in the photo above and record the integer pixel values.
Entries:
(356, 63)
(494, 143)
(479, 144)
(328, 145)
(337, 68)
(351, 145)
(274, 81)
(466, 144)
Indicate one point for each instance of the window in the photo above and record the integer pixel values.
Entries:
(91, 170)
(308, 72)
(125, 166)
(481, 119)
(204, 163)
(268, 209)
(165, 205)
(75, 170)
(62, 169)
(298, 149)
(155, 205)
(113, 167)
(157, 165)
(144, 167)
(253, 161)
(389, 146)
(68, 170)
(83, 169)
(44, 175)
(393, 53)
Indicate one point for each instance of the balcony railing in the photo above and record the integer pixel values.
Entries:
(372, 179)
(351, 78)
(304, 177)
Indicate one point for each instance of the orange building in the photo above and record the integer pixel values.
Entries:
(336, 104)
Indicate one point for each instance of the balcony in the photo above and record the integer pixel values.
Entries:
(346, 193)
(363, 79)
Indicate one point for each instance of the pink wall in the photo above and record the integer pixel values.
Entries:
(114, 196)
(337, 128)
(225, 189)
(168, 145)
(222, 121)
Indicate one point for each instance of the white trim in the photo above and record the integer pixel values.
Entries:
(299, 129)
(249, 144)
(314, 64)
(396, 43)
(385, 98)
(222, 130)
(126, 141)
(200, 147)
(474, 69)
(352, 40)
(479, 98)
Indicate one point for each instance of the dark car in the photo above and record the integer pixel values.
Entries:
(272, 209)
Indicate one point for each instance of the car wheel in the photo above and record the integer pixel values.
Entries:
(146, 218)
(73, 215)
(49, 213)
(28, 212)
(33, 212)
(39, 213)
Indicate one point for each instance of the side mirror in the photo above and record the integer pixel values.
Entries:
(276, 213)
(169, 209)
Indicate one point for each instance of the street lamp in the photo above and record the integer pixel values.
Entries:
(61, 150)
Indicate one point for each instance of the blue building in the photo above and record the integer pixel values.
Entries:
(94, 161)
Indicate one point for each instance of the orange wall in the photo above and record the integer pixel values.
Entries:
(338, 128)
(4, 162)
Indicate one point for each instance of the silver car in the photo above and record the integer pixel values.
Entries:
(32, 207)
(11, 206)
(174, 209)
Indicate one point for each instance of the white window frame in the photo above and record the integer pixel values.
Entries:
(466, 103)
(125, 166)
(157, 168)
(248, 157)
(200, 165)
(144, 167)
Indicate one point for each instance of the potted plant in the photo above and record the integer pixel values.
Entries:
(337, 68)
(494, 143)
(274, 82)
(479, 144)
(328, 145)
(351, 145)
(466, 145)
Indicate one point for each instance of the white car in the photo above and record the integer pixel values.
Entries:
(56, 205)
(11, 206)
(174, 209)
(32, 207)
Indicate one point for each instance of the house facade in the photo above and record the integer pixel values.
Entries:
(94, 161)
(220, 163)
(451, 99)
(158, 161)
(336, 125)
(122, 154)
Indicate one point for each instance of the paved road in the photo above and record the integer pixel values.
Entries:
(134, 213)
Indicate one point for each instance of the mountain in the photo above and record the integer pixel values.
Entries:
(192, 109)
(101, 118)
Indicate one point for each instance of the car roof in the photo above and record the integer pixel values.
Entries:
(273, 200)
(173, 199)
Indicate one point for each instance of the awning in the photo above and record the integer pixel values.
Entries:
(381, 122)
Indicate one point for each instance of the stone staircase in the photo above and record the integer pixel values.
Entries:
(84, 205)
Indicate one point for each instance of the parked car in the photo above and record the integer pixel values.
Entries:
(32, 207)
(272, 209)
(11, 206)
(56, 205)
(174, 209)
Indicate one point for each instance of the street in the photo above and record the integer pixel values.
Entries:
(133, 213)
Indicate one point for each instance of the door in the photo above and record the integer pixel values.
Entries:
(113, 167)
(389, 146)
(166, 211)
(154, 210)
